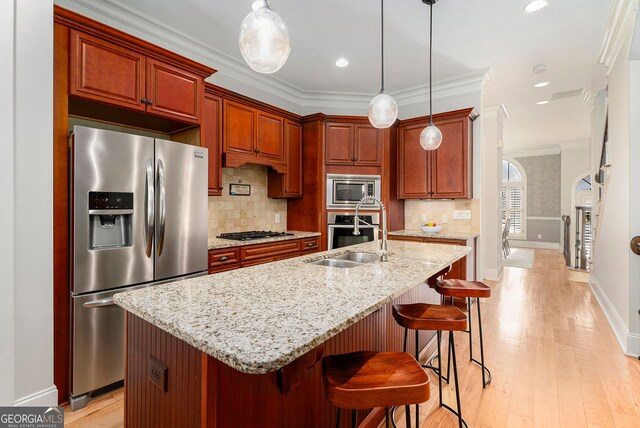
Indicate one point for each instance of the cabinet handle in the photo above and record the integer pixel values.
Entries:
(223, 259)
(310, 244)
(149, 102)
(143, 100)
(220, 188)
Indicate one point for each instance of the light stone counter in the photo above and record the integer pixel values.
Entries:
(217, 243)
(444, 234)
(261, 318)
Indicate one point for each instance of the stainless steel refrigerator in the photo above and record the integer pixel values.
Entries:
(139, 219)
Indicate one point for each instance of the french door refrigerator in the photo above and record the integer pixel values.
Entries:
(139, 219)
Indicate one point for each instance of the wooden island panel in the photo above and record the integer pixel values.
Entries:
(202, 391)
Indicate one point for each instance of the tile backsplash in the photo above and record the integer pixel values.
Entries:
(242, 213)
(434, 210)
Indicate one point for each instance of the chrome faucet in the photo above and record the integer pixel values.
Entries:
(384, 249)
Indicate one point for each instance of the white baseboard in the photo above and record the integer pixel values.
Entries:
(633, 345)
(534, 244)
(46, 397)
(617, 324)
(493, 274)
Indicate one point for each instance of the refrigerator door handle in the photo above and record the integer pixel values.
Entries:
(161, 206)
(99, 303)
(149, 209)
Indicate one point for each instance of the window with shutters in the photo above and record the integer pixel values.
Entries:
(514, 192)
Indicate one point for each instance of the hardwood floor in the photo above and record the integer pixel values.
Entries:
(555, 362)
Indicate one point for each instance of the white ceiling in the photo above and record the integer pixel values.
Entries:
(469, 36)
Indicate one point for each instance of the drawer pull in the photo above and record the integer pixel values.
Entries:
(310, 244)
(223, 259)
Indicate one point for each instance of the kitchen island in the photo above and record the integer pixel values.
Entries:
(241, 348)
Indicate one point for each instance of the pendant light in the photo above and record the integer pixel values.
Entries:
(264, 39)
(430, 137)
(383, 110)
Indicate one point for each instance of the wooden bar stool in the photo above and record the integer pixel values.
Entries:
(469, 290)
(364, 380)
(423, 316)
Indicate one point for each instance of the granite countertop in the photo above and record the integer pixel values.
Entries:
(443, 234)
(217, 243)
(259, 319)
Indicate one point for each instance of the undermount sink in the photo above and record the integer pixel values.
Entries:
(359, 257)
(349, 260)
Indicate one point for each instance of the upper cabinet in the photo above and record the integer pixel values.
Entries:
(445, 173)
(117, 74)
(289, 185)
(211, 138)
(352, 144)
(252, 136)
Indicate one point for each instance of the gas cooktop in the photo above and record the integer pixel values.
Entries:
(254, 234)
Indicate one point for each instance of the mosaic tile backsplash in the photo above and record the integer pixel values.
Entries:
(434, 211)
(242, 213)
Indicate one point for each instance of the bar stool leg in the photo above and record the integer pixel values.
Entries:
(455, 375)
(439, 337)
(338, 418)
(386, 417)
(470, 329)
(485, 382)
(406, 333)
(354, 417)
(407, 411)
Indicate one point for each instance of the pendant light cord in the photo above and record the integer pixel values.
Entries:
(430, 64)
(382, 45)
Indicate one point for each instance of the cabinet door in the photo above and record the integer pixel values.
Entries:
(339, 144)
(450, 162)
(173, 92)
(211, 136)
(413, 165)
(367, 146)
(239, 128)
(103, 71)
(293, 146)
(270, 141)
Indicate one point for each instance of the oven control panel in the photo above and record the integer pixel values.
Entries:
(349, 219)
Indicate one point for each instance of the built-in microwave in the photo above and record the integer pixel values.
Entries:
(345, 191)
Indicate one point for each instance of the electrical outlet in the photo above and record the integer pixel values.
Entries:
(423, 218)
(277, 217)
(539, 235)
(445, 218)
(462, 214)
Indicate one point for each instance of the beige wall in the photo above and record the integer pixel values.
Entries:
(242, 213)
(434, 211)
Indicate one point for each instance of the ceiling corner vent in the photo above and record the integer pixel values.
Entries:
(567, 94)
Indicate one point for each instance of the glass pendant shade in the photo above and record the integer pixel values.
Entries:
(264, 40)
(430, 137)
(383, 111)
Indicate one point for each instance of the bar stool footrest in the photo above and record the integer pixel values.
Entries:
(429, 365)
(455, 413)
(489, 375)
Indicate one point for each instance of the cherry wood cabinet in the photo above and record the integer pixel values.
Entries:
(211, 138)
(445, 173)
(252, 136)
(352, 144)
(289, 184)
(108, 72)
(458, 268)
(230, 258)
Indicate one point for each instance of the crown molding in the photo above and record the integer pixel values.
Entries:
(617, 31)
(235, 75)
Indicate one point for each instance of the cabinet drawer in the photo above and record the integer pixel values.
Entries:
(310, 244)
(406, 238)
(224, 257)
(224, 268)
(258, 262)
(446, 241)
(254, 252)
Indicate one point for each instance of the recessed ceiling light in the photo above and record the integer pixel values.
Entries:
(541, 103)
(536, 5)
(541, 84)
(539, 68)
(342, 63)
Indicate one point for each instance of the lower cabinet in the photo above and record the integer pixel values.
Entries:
(458, 269)
(230, 258)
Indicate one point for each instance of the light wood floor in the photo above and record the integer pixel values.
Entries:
(554, 359)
